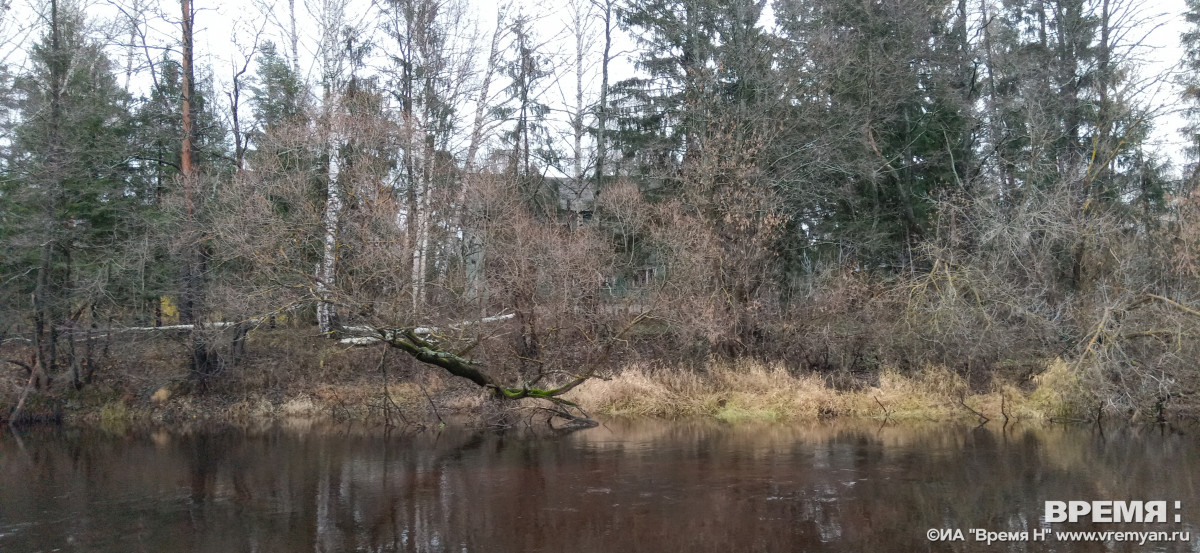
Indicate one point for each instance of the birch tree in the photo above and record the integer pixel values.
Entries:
(332, 22)
(431, 76)
(472, 246)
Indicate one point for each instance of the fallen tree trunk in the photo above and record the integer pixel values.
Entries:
(422, 350)
(411, 342)
(370, 338)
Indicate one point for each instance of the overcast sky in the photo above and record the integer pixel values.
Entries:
(226, 30)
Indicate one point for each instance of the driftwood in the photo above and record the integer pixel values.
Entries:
(886, 413)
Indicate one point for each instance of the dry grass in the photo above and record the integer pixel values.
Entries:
(748, 390)
(1060, 392)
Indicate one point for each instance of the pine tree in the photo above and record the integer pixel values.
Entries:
(660, 115)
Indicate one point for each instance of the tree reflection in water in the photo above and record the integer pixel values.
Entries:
(644, 486)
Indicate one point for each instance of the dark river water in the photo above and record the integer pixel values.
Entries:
(623, 487)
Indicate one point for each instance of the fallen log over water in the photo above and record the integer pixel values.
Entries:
(409, 341)
(412, 342)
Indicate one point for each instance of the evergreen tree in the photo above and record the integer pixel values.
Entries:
(660, 115)
(68, 201)
(278, 94)
(1065, 124)
(159, 130)
(280, 107)
(880, 121)
(528, 139)
(1191, 87)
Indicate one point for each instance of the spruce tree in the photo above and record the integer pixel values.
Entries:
(68, 202)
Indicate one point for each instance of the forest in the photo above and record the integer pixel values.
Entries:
(692, 193)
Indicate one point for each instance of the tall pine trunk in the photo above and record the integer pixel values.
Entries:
(202, 363)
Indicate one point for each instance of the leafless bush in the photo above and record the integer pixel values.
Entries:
(1017, 283)
(551, 277)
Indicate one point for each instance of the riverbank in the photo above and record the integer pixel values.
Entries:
(412, 394)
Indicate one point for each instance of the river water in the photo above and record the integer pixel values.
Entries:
(623, 487)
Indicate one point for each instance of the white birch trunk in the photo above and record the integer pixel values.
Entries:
(420, 222)
(326, 274)
(327, 319)
(419, 215)
(294, 37)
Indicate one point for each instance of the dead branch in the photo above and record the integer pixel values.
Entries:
(16, 412)
(982, 418)
(1174, 303)
(886, 414)
(18, 363)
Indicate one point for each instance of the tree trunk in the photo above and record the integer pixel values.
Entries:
(295, 38)
(327, 318)
(577, 121)
(192, 269)
(425, 352)
(326, 272)
(602, 110)
(469, 209)
(44, 297)
(188, 173)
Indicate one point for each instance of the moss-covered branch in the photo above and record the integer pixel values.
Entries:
(422, 349)
(408, 341)
(426, 352)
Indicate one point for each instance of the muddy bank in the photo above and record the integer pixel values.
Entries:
(403, 404)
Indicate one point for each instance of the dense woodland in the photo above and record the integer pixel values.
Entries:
(836, 185)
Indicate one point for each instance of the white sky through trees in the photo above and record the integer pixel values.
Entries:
(227, 30)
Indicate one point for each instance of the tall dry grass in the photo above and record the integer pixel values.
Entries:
(750, 390)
